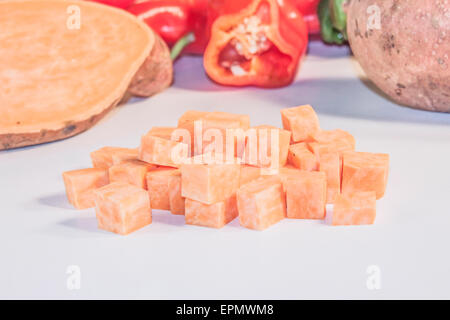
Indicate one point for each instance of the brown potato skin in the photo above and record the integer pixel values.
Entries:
(408, 56)
(155, 74)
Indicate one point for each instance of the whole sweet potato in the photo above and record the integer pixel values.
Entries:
(404, 48)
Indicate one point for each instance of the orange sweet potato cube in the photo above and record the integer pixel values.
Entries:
(258, 147)
(214, 215)
(356, 209)
(103, 158)
(337, 135)
(162, 132)
(131, 171)
(122, 208)
(248, 173)
(287, 172)
(163, 152)
(158, 187)
(336, 146)
(209, 183)
(176, 201)
(189, 117)
(203, 139)
(261, 203)
(80, 185)
(125, 155)
(301, 157)
(364, 171)
(306, 195)
(330, 163)
(302, 121)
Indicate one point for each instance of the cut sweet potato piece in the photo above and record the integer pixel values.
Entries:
(356, 209)
(302, 121)
(258, 146)
(163, 152)
(162, 132)
(215, 215)
(306, 195)
(330, 147)
(330, 136)
(287, 172)
(131, 171)
(249, 173)
(189, 117)
(364, 171)
(130, 154)
(122, 208)
(301, 157)
(330, 163)
(204, 139)
(261, 203)
(63, 78)
(104, 157)
(209, 183)
(176, 201)
(158, 187)
(80, 185)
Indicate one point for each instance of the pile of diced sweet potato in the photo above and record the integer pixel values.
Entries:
(269, 174)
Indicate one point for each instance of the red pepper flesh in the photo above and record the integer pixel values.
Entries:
(308, 8)
(254, 42)
(168, 18)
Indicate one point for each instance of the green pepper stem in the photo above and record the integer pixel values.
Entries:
(182, 43)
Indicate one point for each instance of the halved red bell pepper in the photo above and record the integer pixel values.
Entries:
(254, 42)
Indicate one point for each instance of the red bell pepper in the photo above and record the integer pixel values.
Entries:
(254, 42)
(309, 8)
(123, 4)
(175, 19)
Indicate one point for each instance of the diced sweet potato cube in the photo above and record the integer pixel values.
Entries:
(131, 171)
(162, 132)
(364, 171)
(125, 155)
(301, 157)
(122, 208)
(204, 140)
(214, 215)
(302, 121)
(160, 151)
(287, 172)
(80, 185)
(103, 158)
(330, 164)
(336, 146)
(209, 183)
(190, 116)
(158, 187)
(176, 201)
(356, 209)
(258, 147)
(217, 118)
(249, 173)
(261, 203)
(330, 136)
(306, 195)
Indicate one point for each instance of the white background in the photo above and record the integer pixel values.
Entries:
(42, 235)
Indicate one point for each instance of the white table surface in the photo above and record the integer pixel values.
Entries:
(42, 235)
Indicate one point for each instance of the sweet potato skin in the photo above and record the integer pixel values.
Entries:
(407, 56)
(155, 74)
(11, 141)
